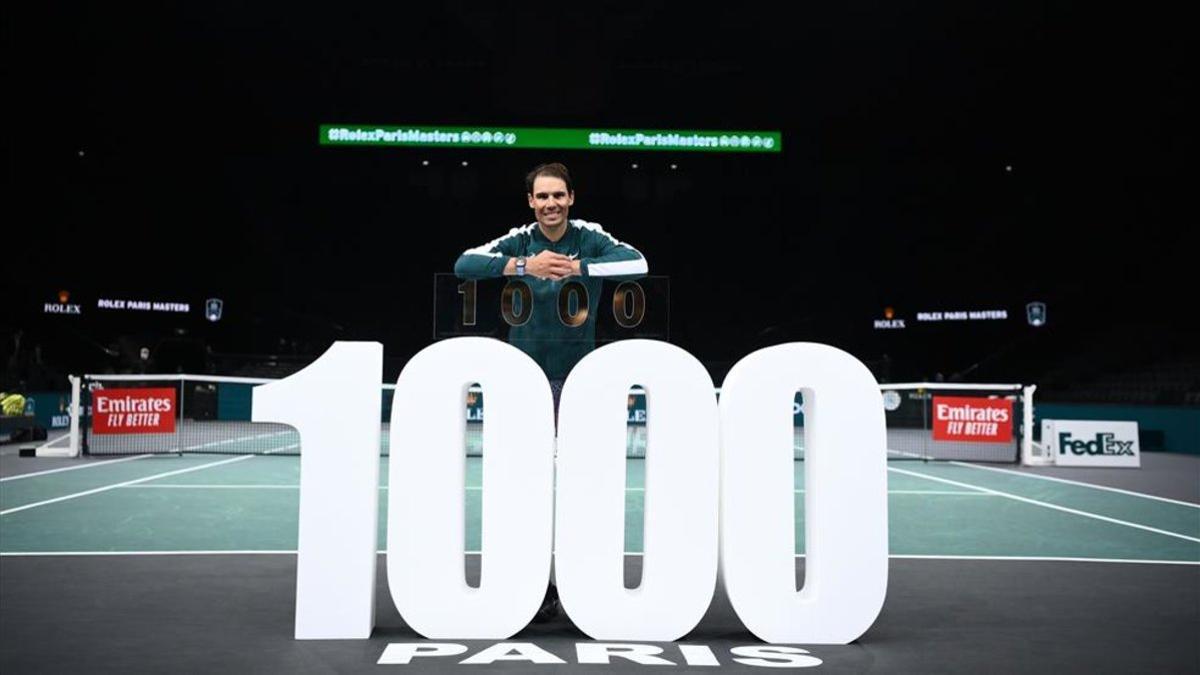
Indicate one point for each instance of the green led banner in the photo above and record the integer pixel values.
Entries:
(557, 139)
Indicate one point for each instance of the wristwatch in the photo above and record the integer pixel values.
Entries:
(521, 266)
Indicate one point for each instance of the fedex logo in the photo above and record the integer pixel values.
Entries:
(1102, 444)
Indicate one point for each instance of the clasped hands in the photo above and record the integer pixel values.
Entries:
(551, 265)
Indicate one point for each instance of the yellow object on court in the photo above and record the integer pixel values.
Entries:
(12, 404)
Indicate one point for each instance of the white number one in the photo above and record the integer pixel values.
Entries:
(334, 404)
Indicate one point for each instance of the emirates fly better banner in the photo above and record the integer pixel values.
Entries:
(972, 419)
(133, 411)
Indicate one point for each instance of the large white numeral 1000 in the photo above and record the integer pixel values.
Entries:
(719, 484)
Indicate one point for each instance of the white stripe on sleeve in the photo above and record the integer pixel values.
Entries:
(486, 249)
(612, 269)
(618, 267)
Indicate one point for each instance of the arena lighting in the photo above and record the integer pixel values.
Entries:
(499, 137)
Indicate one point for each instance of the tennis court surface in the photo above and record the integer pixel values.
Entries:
(187, 562)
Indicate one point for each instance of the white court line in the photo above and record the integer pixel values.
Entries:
(128, 482)
(200, 486)
(1023, 558)
(240, 439)
(960, 493)
(208, 486)
(1080, 483)
(88, 465)
(51, 554)
(1056, 507)
(894, 556)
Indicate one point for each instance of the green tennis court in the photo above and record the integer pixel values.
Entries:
(248, 503)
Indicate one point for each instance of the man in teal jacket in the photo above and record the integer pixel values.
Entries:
(546, 255)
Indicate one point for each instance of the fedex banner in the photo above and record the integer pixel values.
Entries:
(972, 419)
(1092, 443)
(133, 411)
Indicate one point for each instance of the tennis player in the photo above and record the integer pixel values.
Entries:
(548, 253)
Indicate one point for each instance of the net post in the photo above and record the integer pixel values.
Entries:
(179, 425)
(52, 446)
(85, 389)
(1028, 458)
(76, 383)
(925, 425)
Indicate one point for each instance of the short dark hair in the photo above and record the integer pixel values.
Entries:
(555, 170)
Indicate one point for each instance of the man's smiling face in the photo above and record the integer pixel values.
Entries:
(550, 201)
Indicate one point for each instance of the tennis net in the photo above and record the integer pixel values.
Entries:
(184, 414)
